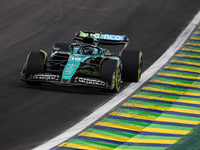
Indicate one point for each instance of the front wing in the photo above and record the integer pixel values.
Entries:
(56, 80)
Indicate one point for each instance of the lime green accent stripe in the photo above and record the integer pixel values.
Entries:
(119, 126)
(89, 144)
(189, 47)
(183, 68)
(186, 60)
(125, 147)
(170, 127)
(181, 117)
(165, 87)
(190, 98)
(156, 137)
(137, 112)
(181, 99)
(102, 136)
(178, 120)
(159, 95)
(193, 91)
(148, 103)
(178, 73)
(172, 80)
(163, 90)
(189, 108)
(195, 35)
(128, 115)
(193, 42)
(122, 122)
(188, 101)
(145, 106)
(111, 133)
(154, 97)
(188, 53)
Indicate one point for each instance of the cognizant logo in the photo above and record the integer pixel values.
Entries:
(112, 37)
(104, 36)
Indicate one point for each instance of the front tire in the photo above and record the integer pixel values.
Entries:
(111, 74)
(35, 64)
(132, 65)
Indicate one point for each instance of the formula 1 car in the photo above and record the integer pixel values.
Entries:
(85, 63)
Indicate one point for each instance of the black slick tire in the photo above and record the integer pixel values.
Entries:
(111, 74)
(132, 65)
(35, 64)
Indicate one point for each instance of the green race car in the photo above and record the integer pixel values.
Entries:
(85, 63)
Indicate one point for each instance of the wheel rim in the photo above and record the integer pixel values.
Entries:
(118, 79)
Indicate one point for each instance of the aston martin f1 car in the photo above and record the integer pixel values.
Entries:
(85, 63)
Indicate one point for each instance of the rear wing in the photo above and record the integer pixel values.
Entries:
(103, 38)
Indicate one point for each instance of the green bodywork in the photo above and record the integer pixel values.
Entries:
(72, 65)
(75, 59)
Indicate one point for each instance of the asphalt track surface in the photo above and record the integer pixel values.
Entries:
(31, 115)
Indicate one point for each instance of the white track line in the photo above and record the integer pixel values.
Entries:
(126, 92)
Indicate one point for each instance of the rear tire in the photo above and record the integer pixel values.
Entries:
(111, 74)
(35, 64)
(132, 65)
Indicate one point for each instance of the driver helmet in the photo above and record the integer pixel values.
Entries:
(95, 51)
(75, 49)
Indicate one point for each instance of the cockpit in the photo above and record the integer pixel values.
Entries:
(85, 49)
